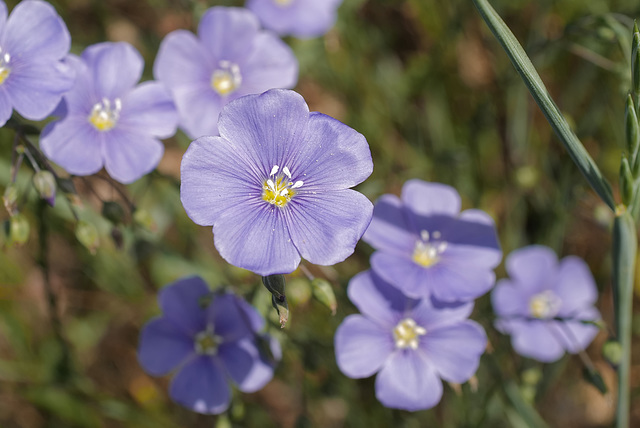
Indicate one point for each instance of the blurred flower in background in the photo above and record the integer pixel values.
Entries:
(33, 41)
(411, 344)
(108, 120)
(545, 303)
(208, 339)
(275, 185)
(230, 57)
(299, 18)
(427, 247)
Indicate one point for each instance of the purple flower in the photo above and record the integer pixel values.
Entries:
(300, 18)
(229, 58)
(275, 184)
(208, 339)
(411, 344)
(544, 302)
(33, 40)
(109, 121)
(427, 247)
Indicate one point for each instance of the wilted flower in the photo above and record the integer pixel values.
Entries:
(108, 120)
(427, 247)
(300, 18)
(275, 184)
(33, 40)
(230, 57)
(545, 304)
(411, 344)
(208, 339)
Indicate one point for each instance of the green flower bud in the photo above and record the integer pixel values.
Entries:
(324, 293)
(113, 212)
(631, 129)
(19, 229)
(10, 199)
(144, 219)
(45, 184)
(88, 236)
(612, 352)
(626, 182)
(275, 284)
(282, 307)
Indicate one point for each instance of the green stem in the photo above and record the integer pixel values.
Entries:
(536, 87)
(624, 262)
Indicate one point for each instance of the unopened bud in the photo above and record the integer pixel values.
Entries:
(144, 219)
(19, 229)
(282, 307)
(626, 182)
(275, 284)
(113, 212)
(66, 186)
(631, 129)
(10, 199)
(45, 184)
(324, 293)
(612, 352)
(88, 236)
(592, 376)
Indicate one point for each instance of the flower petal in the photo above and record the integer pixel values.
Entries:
(362, 346)
(326, 227)
(575, 336)
(229, 318)
(455, 350)
(214, 171)
(228, 32)
(400, 271)
(183, 61)
(408, 381)
(117, 67)
(201, 386)
(427, 199)
(163, 346)
(509, 300)
(270, 64)
(532, 267)
(301, 18)
(149, 109)
(3, 14)
(433, 314)
(199, 107)
(534, 339)
(181, 302)
(255, 237)
(129, 156)
(333, 155)
(269, 126)
(35, 30)
(6, 108)
(245, 366)
(73, 144)
(389, 230)
(377, 299)
(574, 286)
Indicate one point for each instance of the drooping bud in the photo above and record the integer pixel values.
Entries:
(626, 182)
(592, 376)
(113, 212)
(612, 352)
(282, 307)
(632, 132)
(88, 236)
(10, 199)
(323, 291)
(275, 284)
(19, 229)
(45, 184)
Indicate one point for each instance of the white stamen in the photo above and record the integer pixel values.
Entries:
(274, 170)
(286, 172)
(297, 184)
(424, 235)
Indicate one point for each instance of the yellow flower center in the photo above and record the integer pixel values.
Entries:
(104, 115)
(5, 70)
(428, 249)
(407, 334)
(226, 78)
(278, 189)
(206, 342)
(545, 305)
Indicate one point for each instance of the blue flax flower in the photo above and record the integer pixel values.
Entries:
(427, 247)
(108, 120)
(275, 184)
(230, 57)
(300, 18)
(208, 339)
(544, 304)
(33, 41)
(411, 344)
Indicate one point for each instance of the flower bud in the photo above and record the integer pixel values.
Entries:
(19, 229)
(626, 182)
(324, 293)
(113, 212)
(45, 184)
(631, 129)
(144, 219)
(275, 284)
(612, 352)
(88, 236)
(282, 307)
(10, 199)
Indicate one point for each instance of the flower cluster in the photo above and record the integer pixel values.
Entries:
(208, 339)
(546, 306)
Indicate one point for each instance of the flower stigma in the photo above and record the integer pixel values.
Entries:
(407, 334)
(226, 78)
(206, 342)
(427, 251)
(278, 189)
(105, 115)
(545, 305)
(5, 70)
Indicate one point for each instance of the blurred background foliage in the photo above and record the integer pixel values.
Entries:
(437, 99)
